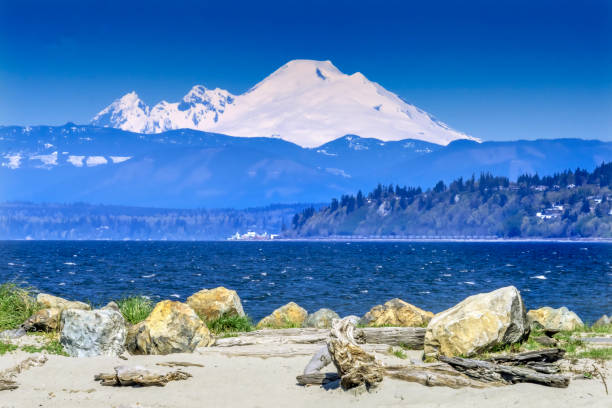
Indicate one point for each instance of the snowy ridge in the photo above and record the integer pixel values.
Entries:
(305, 102)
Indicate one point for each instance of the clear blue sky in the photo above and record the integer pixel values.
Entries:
(498, 70)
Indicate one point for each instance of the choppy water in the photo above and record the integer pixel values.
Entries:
(347, 277)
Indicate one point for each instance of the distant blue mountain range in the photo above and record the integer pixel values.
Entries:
(194, 169)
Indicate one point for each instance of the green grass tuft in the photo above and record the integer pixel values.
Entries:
(16, 305)
(230, 324)
(399, 353)
(52, 347)
(6, 347)
(135, 308)
(597, 353)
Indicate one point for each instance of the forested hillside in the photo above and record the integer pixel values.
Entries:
(571, 204)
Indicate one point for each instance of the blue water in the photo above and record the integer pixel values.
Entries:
(347, 277)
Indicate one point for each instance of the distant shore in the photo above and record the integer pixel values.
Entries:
(433, 239)
(345, 239)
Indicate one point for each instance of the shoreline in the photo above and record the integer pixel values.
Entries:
(349, 239)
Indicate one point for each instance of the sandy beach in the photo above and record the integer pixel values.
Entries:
(240, 377)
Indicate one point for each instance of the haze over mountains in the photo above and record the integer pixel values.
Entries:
(194, 169)
(305, 102)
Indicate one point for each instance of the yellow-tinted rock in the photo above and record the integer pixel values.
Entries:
(478, 324)
(396, 312)
(211, 304)
(172, 327)
(548, 318)
(47, 320)
(289, 315)
(49, 301)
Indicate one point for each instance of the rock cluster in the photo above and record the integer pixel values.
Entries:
(172, 327)
(321, 319)
(88, 333)
(603, 321)
(396, 312)
(547, 318)
(477, 324)
(211, 304)
(49, 301)
(289, 315)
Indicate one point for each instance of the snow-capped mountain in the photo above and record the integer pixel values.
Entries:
(305, 102)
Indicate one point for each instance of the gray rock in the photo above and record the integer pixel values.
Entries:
(87, 333)
(321, 319)
(546, 341)
(353, 319)
(12, 334)
(603, 321)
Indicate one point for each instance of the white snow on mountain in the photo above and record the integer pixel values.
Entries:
(76, 161)
(95, 161)
(14, 160)
(48, 160)
(305, 102)
(120, 159)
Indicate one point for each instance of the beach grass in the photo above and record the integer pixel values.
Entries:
(135, 308)
(51, 347)
(596, 353)
(16, 305)
(398, 352)
(6, 347)
(230, 323)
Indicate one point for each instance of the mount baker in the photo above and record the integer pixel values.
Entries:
(305, 102)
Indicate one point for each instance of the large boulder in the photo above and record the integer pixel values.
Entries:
(321, 319)
(172, 327)
(49, 301)
(211, 304)
(477, 324)
(289, 315)
(396, 312)
(47, 320)
(88, 333)
(547, 318)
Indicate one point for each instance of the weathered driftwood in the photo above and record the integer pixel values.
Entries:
(412, 337)
(317, 378)
(435, 375)
(320, 360)
(179, 364)
(7, 377)
(139, 376)
(537, 356)
(487, 371)
(354, 365)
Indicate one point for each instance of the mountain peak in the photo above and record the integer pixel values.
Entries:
(306, 102)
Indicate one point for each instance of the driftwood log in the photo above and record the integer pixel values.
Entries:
(435, 375)
(7, 377)
(537, 356)
(355, 367)
(411, 337)
(487, 371)
(139, 376)
(317, 378)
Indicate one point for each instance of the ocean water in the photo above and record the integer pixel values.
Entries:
(349, 277)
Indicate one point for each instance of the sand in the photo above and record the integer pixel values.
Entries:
(237, 377)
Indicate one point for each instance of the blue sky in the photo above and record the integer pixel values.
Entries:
(497, 70)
